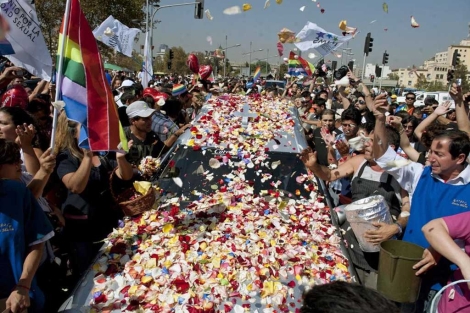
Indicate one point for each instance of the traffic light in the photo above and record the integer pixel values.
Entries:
(378, 71)
(372, 78)
(455, 58)
(368, 44)
(171, 55)
(385, 58)
(450, 75)
(168, 65)
(199, 9)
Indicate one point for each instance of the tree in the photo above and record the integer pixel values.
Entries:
(436, 86)
(282, 70)
(51, 12)
(393, 76)
(262, 65)
(422, 83)
(461, 72)
(178, 64)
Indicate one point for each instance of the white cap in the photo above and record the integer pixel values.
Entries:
(140, 109)
(126, 83)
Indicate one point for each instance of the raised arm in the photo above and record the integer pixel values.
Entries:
(460, 110)
(438, 236)
(39, 181)
(323, 172)
(440, 110)
(380, 136)
(405, 145)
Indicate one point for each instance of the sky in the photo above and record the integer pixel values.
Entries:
(442, 23)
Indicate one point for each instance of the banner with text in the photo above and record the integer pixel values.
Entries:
(21, 39)
(314, 37)
(116, 35)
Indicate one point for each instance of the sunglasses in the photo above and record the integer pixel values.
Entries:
(410, 98)
(361, 102)
(349, 125)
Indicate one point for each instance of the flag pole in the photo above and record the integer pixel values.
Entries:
(59, 74)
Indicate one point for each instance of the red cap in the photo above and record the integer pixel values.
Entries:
(16, 96)
(156, 95)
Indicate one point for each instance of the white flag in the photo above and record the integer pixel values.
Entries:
(147, 72)
(314, 37)
(21, 39)
(116, 35)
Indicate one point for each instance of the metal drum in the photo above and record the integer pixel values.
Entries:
(362, 213)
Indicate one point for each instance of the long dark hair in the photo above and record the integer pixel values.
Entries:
(20, 117)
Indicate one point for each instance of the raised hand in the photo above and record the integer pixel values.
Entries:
(47, 161)
(25, 135)
(327, 136)
(443, 109)
(308, 157)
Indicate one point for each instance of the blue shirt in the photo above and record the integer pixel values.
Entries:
(108, 78)
(22, 224)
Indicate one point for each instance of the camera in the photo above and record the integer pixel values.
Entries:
(341, 72)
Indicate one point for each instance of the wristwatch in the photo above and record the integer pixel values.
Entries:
(400, 229)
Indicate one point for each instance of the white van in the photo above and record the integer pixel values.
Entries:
(440, 96)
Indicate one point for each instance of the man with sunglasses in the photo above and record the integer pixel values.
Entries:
(409, 106)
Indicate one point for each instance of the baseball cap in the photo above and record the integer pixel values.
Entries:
(126, 83)
(139, 109)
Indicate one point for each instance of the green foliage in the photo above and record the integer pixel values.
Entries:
(461, 72)
(393, 76)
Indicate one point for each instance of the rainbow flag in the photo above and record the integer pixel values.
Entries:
(84, 88)
(257, 74)
(298, 66)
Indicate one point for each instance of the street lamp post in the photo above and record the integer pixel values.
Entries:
(251, 52)
(249, 66)
(267, 57)
(225, 54)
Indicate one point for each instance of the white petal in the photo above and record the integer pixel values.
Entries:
(178, 181)
(233, 10)
(302, 8)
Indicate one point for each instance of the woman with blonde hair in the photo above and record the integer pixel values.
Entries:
(87, 209)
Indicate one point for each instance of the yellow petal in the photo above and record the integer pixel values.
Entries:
(146, 279)
(341, 266)
(216, 262)
(278, 1)
(132, 290)
(246, 7)
(167, 228)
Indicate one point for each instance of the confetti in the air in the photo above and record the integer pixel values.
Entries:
(311, 55)
(373, 21)
(347, 29)
(286, 36)
(209, 40)
(208, 15)
(385, 7)
(267, 4)
(233, 10)
(246, 7)
(302, 8)
(322, 11)
(278, 1)
(414, 24)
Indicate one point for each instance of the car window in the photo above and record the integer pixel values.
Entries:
(280, 170)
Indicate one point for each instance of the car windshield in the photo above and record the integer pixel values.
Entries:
(278, 171)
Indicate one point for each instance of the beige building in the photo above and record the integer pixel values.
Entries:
(436, 68)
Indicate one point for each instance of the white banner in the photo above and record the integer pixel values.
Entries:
(314, 37)
(21, 39)
(116, 35)
(147, 72)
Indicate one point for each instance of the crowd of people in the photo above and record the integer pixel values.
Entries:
(57, 205)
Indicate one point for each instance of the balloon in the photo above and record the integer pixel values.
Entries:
(205, 71)
(193, 63)
(15, 97)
